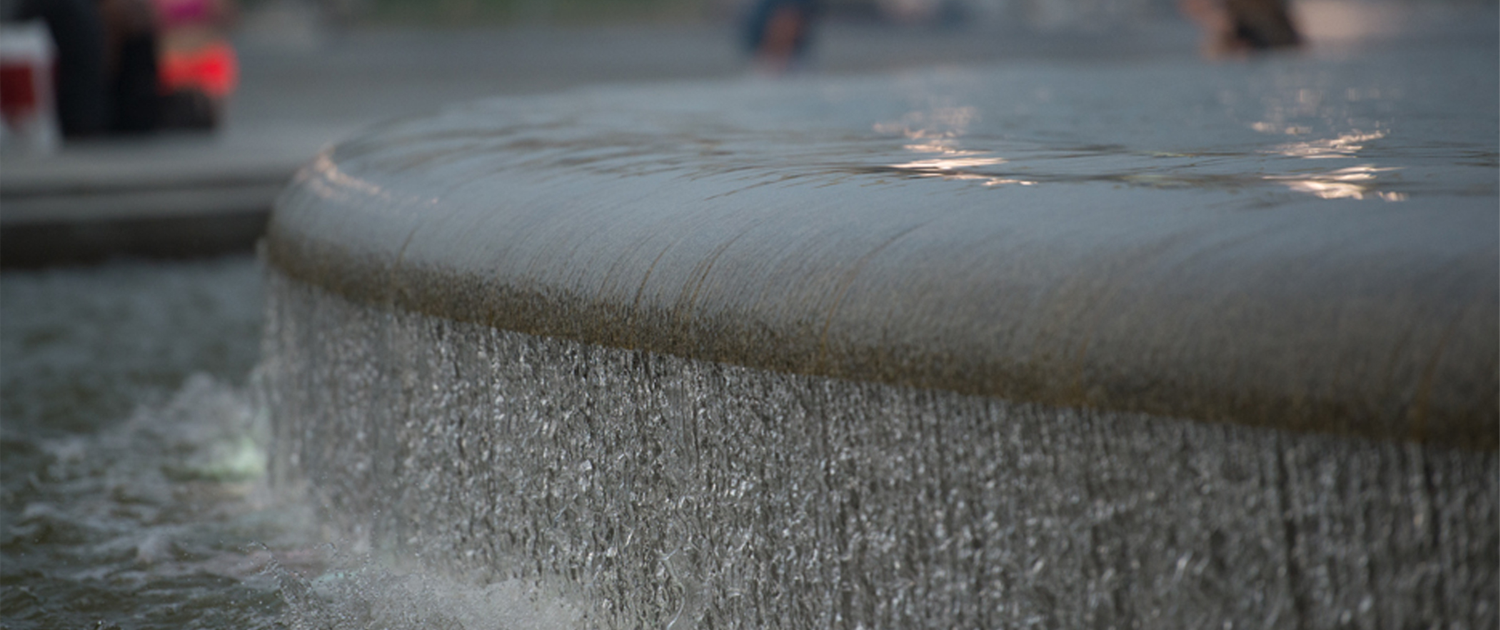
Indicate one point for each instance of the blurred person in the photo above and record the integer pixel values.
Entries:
(778, 33)
(1239, 27)
(130, 59)
(105, 76)
(80, 78)
(198, 66)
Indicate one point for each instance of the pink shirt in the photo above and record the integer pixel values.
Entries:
(175, 13)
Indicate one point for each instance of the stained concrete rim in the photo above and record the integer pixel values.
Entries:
(381, 220)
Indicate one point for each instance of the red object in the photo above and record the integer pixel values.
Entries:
(214, 69)
(19, 97)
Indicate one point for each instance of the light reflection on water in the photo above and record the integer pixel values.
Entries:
(1354, 182)
(987, 144)
(1390, 125)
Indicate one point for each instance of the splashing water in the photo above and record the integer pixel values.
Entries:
(134, 492)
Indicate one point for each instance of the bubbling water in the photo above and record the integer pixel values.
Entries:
(134, 492)
(375, 597)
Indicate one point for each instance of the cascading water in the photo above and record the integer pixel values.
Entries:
(640, 490)
(141, 506)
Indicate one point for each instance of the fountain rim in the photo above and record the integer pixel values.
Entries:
(355, 228)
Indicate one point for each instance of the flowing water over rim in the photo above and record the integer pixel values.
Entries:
(1385, 125)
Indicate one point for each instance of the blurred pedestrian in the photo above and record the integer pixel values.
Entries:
(80, 79)
(130, 59)
(778, 33)
(1238, 27)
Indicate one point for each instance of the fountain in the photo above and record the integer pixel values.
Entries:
(1155, 345)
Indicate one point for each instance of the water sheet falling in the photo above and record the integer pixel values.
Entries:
(641, 490)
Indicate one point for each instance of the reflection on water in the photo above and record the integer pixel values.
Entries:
(958, 167)
(1355, 182)
(1388, 126)
(1346, 145)
(937, 134)
(949, 148)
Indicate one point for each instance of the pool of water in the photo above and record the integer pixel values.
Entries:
(133, 455)
(133, 461)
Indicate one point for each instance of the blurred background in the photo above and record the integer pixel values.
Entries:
(195, 172)
(344, 62)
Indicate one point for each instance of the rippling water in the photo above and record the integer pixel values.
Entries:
(133, 492)
(133, 459)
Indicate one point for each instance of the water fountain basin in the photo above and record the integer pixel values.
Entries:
(944, 349)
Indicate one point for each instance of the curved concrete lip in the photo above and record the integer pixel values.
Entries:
(1173, 238)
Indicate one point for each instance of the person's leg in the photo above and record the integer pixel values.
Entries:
(132, 55)
(137, 102)
(79, 78)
